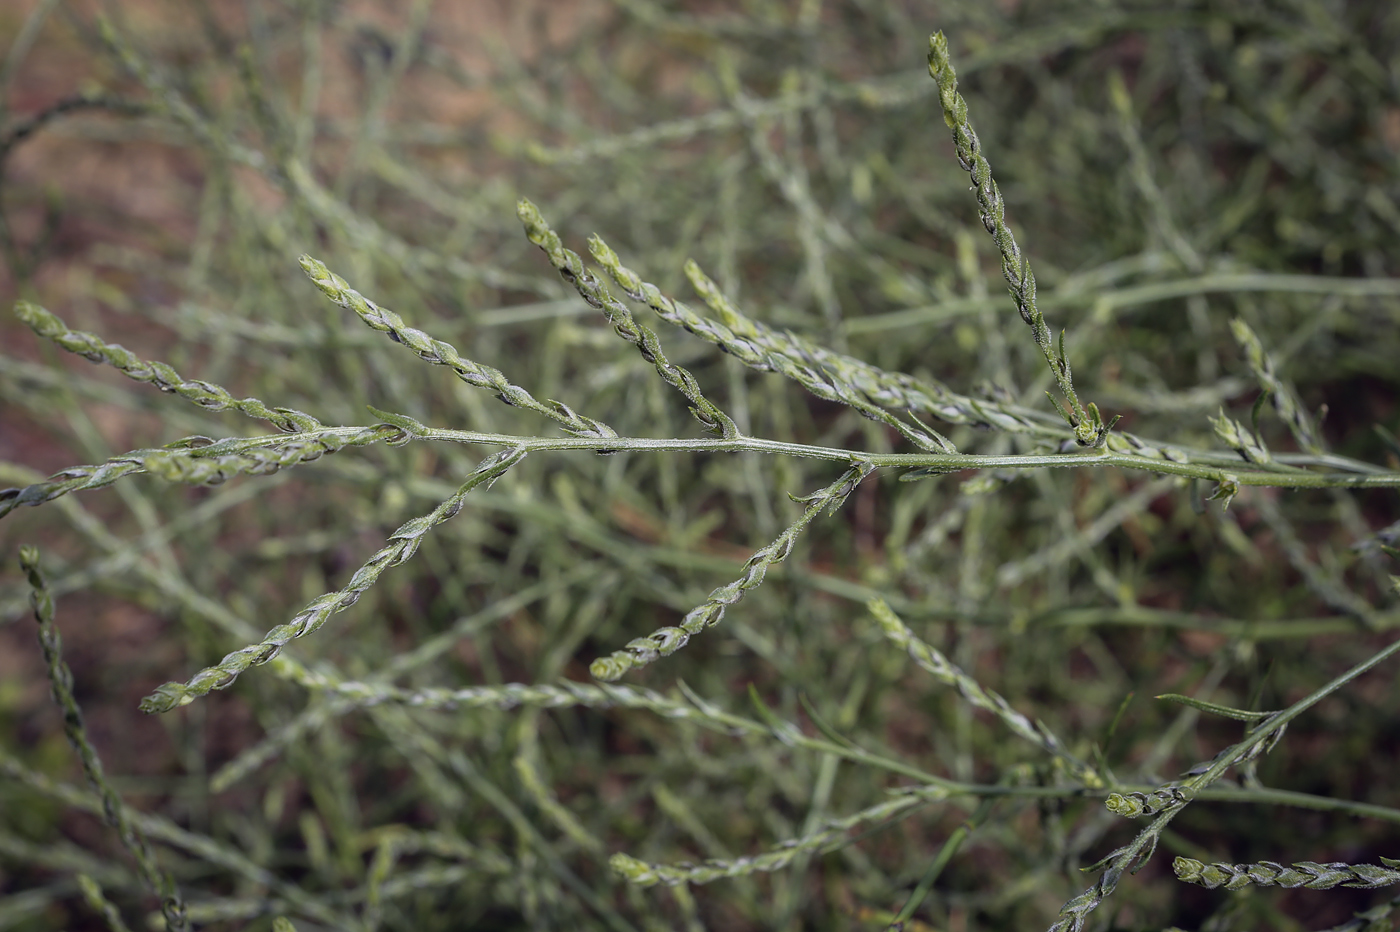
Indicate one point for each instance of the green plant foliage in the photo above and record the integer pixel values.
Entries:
(538, 650)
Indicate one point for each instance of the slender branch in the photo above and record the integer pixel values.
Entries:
(944, 670)
(1088, 426)
(828, 375)
(441, 353)
(61, 683)
(571, 268)
(923, 465)
(666, 641)
(201, 461)
(1177, 796)
(828, 838)
(205, 394)
(403, 543)
(72, 104)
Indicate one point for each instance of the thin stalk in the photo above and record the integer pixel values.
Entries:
(1135, 854)
(945, 854)
(159, 881)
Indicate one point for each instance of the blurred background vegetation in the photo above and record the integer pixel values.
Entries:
(159, 182)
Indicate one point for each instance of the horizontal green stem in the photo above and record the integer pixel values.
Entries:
(570, 694)
(944, 462)
(1294, 478)
(1135, 295)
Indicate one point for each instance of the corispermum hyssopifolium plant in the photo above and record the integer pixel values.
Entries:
(827, 598)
